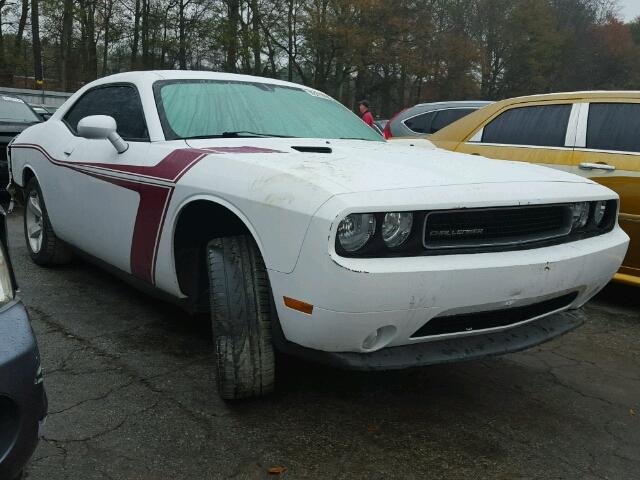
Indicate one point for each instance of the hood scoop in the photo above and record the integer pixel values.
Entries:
(312, 149)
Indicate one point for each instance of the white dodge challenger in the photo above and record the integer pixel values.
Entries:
(274, 208)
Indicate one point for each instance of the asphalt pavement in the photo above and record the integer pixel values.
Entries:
(132, 396)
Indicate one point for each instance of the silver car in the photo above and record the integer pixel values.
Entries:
(428, 118)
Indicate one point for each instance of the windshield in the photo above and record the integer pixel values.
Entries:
(213, 108)
(15, 110)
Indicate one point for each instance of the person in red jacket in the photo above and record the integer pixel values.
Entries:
(365, 114)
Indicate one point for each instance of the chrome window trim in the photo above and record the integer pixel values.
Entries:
(577, 149)
(517, 146)
(434, 111)
(615, 152)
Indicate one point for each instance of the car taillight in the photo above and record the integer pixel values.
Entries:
(387, 131)
(387, 128)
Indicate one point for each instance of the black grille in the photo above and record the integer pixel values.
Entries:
(469, 322)
(495, 226)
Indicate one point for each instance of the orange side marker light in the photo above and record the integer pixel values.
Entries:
(298, 305)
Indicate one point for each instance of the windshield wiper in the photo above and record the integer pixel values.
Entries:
(359, 138)
(242, 133)
(238, 134)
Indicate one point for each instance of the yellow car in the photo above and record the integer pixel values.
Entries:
(593, 134)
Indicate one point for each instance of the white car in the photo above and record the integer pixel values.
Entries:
(297, 226)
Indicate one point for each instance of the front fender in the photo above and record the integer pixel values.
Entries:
(278, 232)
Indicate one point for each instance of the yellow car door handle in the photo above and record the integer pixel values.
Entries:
(596, 166)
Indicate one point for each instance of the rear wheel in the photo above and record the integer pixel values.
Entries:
(43, 245)
(241, 313)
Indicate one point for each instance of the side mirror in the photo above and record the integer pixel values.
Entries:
(100, 127)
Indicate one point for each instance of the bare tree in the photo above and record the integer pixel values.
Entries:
(37, 47)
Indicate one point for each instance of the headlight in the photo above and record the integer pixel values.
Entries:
(6, 285)
(356, 230)
(396, 228)
(580, 214)
(599, 209)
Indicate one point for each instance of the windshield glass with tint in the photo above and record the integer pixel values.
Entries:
(15, 110)
(212, 108)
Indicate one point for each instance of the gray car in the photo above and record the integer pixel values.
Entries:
(15, 116)
(23, 402)
(428, 118)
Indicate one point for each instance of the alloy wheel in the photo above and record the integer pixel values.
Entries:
(34, 221)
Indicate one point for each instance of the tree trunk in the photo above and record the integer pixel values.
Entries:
(231, 36)
(256, 44)
(290, 40)
(107, 27)
(65, 43)
(37, 48)
(92, 49)
(145, 33)
(136, 36)
(163, 50)
(182, 41)
(153, 37)
(22, 23)
(2, 59)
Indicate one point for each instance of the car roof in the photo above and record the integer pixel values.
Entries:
(150, 76)
(431, 106)
(454, 103)
(13, 97)
(586, 94)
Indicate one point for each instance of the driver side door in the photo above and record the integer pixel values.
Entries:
(98, 205)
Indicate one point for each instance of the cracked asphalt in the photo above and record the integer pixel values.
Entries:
(132, 396)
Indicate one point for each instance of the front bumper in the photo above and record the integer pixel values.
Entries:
(23, 402)
(442, 351)
(353, 298)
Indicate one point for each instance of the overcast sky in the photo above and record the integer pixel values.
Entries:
(629, 9)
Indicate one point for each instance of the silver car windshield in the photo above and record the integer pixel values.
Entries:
(212, 108)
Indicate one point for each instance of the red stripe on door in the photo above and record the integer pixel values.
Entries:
(154, 199)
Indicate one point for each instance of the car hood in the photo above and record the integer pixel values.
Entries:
(360, 166)
(13, 128)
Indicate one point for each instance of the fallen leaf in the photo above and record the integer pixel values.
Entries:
(276, 470)
(372, 428)
(632, 412)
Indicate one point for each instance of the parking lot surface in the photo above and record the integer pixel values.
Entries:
(132, 396)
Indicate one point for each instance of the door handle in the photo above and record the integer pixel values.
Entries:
(596, 166)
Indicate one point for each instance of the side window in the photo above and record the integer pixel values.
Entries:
(614, 126)
(420, 123)
(118, 101)
(544, 125)
(446, 117)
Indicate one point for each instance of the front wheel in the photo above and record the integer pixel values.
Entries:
(44, 247)
(241, 313)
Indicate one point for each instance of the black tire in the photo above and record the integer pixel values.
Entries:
(52, 251)
(241, 313)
